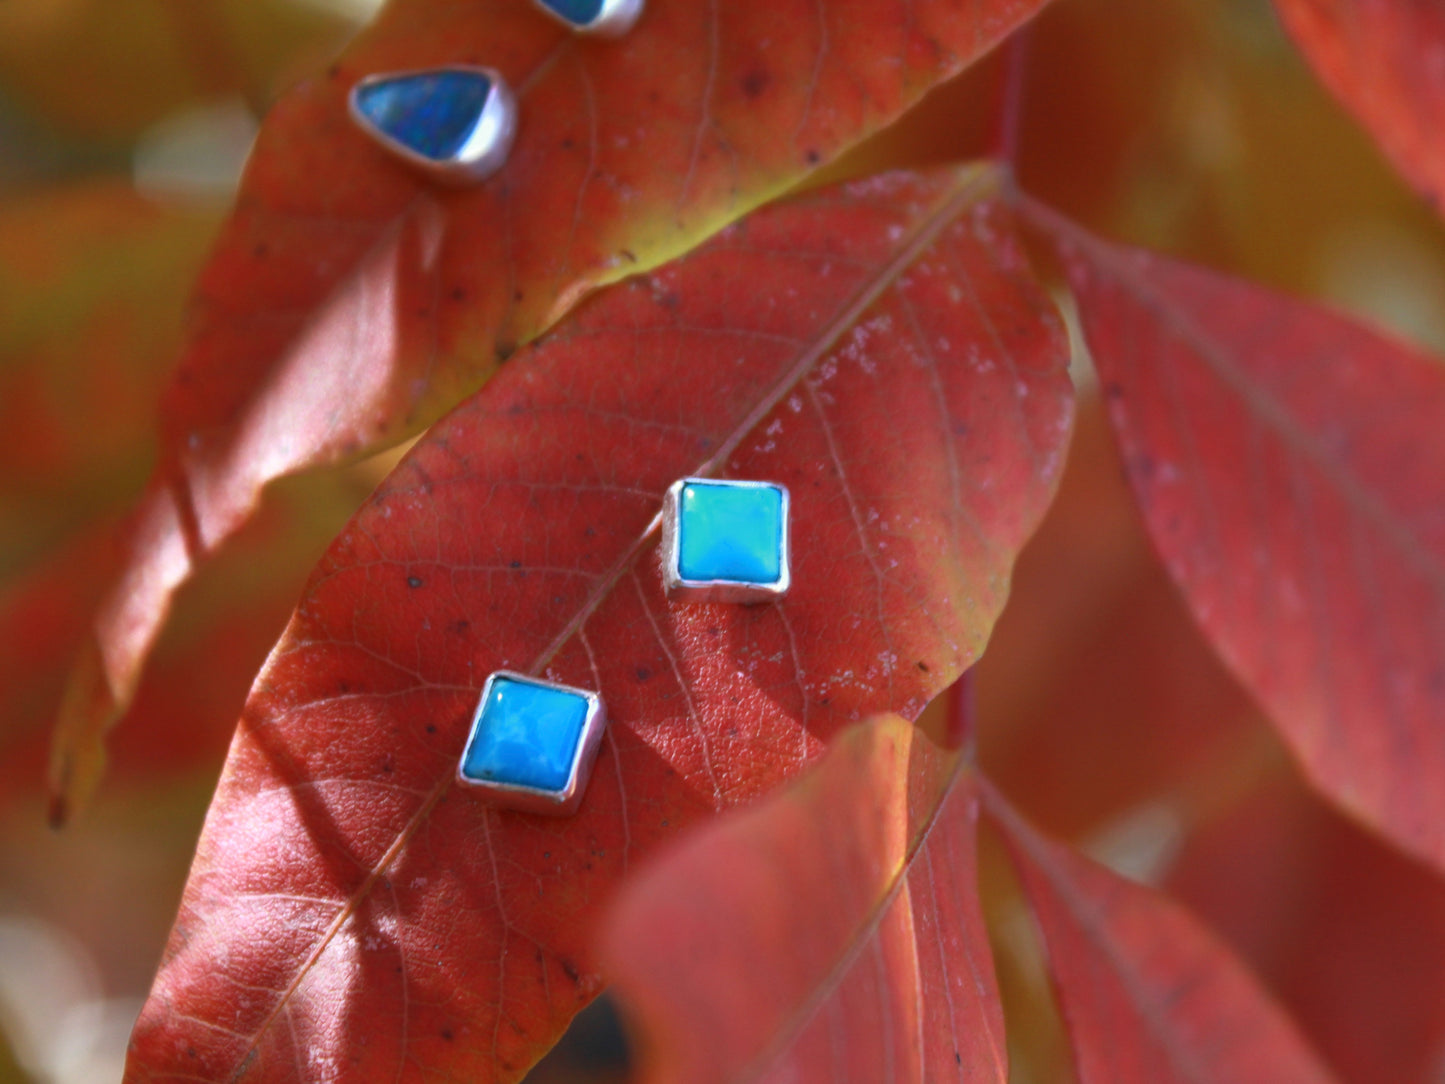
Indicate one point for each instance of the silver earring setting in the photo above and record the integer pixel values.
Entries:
(604, 18)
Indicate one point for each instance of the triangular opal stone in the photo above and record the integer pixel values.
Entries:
(577, 12)
(431, 113)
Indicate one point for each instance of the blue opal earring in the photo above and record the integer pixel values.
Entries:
(605, 18)
(455, 123)
(725, 541)
(532, 743)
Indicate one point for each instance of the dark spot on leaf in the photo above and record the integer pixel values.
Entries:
(431, 728)
(333, 71)
(628, 255)
(643, 673)
(755, 82)
(1113, 391)
(813, 157)
(505, 350)
(518, 564)
(458, 293)
(568, 144)
(461, 626)
(957, 1058)
(447, 1034)
(191, 1052)
(413, 581)
(518, 295)
(570, 971)
(261, 251)
(922, 665)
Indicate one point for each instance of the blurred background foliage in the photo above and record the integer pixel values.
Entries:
(1185, 125)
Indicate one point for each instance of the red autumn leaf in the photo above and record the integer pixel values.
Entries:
(854, 891)
(90, 315)
(91, 292)
(1288, 464)
(349, 301)
(1381, 58)
(225, 622)
(1348, 931)
(881, 349)
(1096, 661)
(1149, 995)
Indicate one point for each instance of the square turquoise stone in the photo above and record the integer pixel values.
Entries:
(525, 734)
(730, 532)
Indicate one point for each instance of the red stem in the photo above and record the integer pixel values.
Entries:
(1008, 119)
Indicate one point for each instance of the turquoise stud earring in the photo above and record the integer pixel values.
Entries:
(532, 744)
(455, 123)
(725, 541)
(605, 18)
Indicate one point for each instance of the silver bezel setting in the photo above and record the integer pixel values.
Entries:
(616, 18)
(686, 590)
(535, 799)
(487, 146)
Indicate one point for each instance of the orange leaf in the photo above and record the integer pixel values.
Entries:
(1148, 994)
(349, 301)
(1289, 463)
(91, 293)
(830, 933)
(881, 349)
(1381, 58)
(1348, 931)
